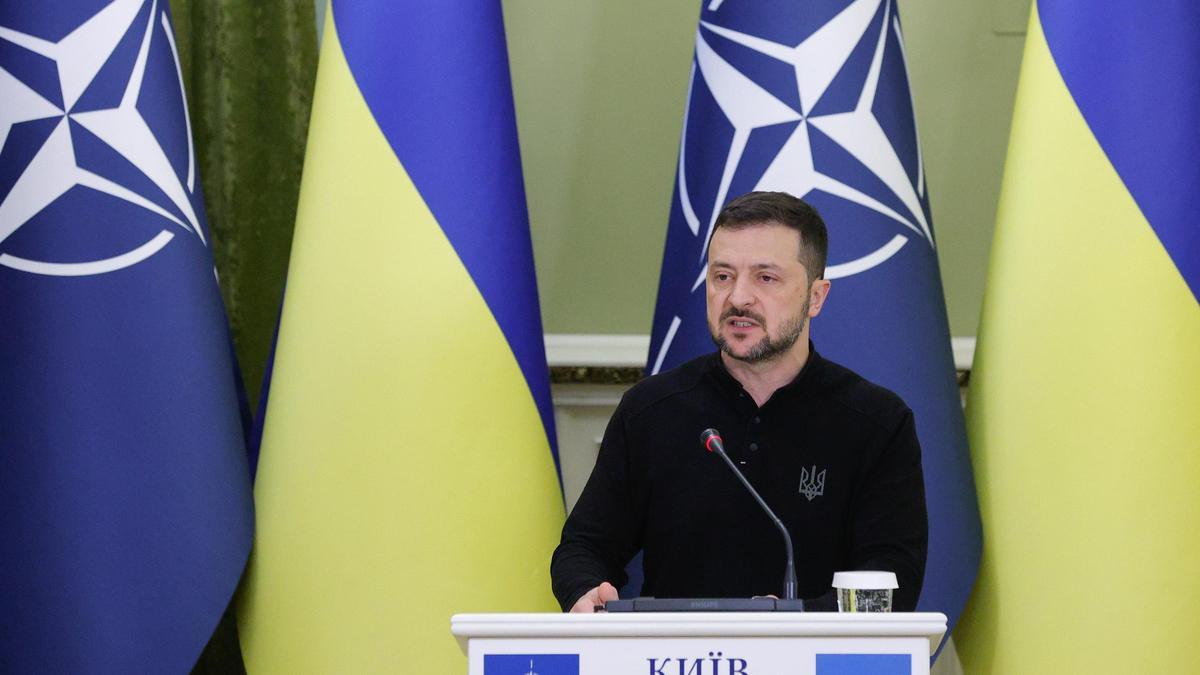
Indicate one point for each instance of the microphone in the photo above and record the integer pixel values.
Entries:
(711, 438)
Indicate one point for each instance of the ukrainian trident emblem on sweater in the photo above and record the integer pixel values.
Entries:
(812, 483)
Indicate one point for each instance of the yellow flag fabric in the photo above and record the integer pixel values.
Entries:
(405, 472)
(1084, 409)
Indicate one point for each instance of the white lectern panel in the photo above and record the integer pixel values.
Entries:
(699, 643)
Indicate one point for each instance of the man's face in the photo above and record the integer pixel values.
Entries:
(759, 298)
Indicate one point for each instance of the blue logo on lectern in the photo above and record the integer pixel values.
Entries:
(530, 664)
(864, 664)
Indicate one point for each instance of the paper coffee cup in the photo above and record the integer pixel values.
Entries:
(864, 591)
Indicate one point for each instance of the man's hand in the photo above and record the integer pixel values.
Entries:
(597, 596)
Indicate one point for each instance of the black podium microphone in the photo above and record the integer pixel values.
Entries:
(711, 438)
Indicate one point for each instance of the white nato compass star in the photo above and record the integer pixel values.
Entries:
(53, 170)
(816, 62)
(748, 106)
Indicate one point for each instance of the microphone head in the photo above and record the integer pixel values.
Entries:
(708, 436)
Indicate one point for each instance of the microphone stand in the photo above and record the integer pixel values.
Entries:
(712, 442)
(788, 603)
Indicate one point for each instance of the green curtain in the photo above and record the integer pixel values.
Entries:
(248, 67)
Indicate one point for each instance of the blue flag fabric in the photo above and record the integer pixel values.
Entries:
(813, 99)
(125, 512)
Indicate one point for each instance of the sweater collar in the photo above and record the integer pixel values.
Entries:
(729, 384)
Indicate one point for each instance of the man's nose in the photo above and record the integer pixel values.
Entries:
(742, 294)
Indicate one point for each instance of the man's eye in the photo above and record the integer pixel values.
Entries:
(721, 276)
(767, 278)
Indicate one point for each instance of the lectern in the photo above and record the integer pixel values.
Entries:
(727, 643)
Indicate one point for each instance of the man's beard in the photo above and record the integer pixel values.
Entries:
(766, 349)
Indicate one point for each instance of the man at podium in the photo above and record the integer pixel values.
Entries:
(833, 455)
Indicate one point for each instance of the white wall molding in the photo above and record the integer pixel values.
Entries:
(613, 351)
(964, 351)
(629, 351)
(587, 395)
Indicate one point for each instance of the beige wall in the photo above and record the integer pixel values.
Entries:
(600, 86)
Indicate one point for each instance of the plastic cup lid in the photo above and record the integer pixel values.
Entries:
(865, 580)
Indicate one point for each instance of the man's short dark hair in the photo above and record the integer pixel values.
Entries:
(757, 208)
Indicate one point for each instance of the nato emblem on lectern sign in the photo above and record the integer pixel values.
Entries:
(531, 664)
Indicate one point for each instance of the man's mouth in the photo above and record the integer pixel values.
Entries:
(741, 323)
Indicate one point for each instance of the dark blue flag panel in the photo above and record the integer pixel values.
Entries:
(812, 98)
(125, 511)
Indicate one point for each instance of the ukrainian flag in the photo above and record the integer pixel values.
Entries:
(407, 469)
(1083, 411)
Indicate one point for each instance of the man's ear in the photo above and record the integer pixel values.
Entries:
(816, 296)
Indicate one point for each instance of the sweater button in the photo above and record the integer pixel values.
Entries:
(753, 447)
(756, 420)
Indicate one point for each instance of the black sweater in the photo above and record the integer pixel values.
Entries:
(655, 488)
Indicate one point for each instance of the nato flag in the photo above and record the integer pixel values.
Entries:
(812, 98)
(125, 513)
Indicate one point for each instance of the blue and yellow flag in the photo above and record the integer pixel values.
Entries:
(125, 513)
(407, 470)
(1083, 411)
